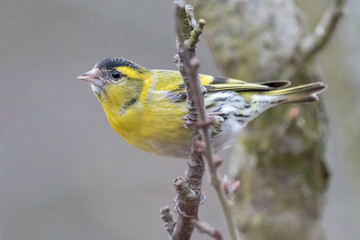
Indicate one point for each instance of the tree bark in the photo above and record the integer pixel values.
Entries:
(282, 166)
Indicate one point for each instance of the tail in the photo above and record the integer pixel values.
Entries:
(303, 93)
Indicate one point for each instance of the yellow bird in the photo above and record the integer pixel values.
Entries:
(146, 106)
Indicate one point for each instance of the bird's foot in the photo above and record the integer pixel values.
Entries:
(215, 122)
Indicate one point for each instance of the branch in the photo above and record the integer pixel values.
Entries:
(313, 43)
(205, 227)
(188, 189)
(166, 216)
(188, 34)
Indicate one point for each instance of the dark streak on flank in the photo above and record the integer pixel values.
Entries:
(223, 99)
(218, 109)
(241, 115)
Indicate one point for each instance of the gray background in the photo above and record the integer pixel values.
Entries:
(64, 172)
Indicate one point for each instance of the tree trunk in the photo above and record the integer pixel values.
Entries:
(281, 166)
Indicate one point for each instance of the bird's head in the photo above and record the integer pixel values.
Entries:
(116, 81)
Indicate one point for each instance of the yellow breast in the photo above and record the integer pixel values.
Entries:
(154, 126)
(154, 123)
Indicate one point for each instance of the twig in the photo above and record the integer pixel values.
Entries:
(323, 31)
(188, 199)
(195, 35)
(315, 41)
(166, 216)
(188, 66)
(205, 227)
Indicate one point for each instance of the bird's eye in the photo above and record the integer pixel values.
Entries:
(116, 74)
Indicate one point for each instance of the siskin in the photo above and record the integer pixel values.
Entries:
(146, 107)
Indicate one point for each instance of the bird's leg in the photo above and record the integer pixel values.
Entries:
(216, 126)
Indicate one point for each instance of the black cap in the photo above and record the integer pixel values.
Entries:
(111, 63)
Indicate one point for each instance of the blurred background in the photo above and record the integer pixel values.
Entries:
(65, 174)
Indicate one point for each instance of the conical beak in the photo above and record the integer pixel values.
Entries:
(94, 76)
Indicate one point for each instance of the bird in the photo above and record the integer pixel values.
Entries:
(147, 107)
